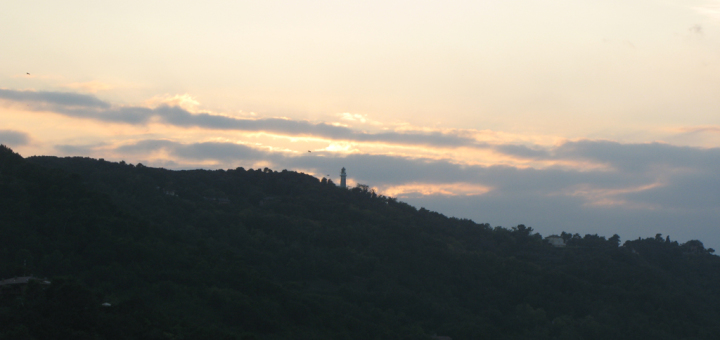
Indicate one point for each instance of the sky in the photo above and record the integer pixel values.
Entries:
(590, 117)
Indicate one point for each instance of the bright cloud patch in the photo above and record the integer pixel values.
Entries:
(353, 117)
(449, 189)
(184, 101)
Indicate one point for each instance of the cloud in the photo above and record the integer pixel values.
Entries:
(700, 129)
(448, 189)
(198, 151)
(90, 107)
(640, 176)
(80, 150)
(645, 189)
(638, 181)
(353, 117)
(632, 158)
(41, 99)
(358, 118)
(184, 101)
(523, 151)
(14, 138)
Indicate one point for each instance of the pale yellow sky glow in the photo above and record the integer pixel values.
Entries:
(554, 108)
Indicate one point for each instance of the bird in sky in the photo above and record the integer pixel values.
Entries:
(28, 73)
(309, 151)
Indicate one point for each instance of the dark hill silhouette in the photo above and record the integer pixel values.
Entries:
(262, 254)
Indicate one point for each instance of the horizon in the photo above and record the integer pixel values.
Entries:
(590, 118)
(360, 185)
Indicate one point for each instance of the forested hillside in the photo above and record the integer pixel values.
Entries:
(262, 254)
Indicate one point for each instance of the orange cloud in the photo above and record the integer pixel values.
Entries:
(450, 189)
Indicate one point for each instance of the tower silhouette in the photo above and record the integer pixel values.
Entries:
(342, 178)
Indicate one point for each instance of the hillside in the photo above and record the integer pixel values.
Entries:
(262, 254)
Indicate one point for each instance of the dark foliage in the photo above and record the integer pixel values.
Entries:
(260, 254)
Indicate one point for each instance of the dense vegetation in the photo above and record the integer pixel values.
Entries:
(260, 254)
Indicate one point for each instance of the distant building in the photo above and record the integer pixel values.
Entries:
(343, 184)
(556, 241)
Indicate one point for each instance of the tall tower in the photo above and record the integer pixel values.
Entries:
(342, 178)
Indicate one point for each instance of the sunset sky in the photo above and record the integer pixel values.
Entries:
(566, 115)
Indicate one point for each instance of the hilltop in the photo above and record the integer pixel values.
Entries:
(263, 254)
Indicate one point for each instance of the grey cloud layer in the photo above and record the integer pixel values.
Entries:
(90, 107)
(640, 157)
(14, 138)
(53, 98)
(199, 151)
